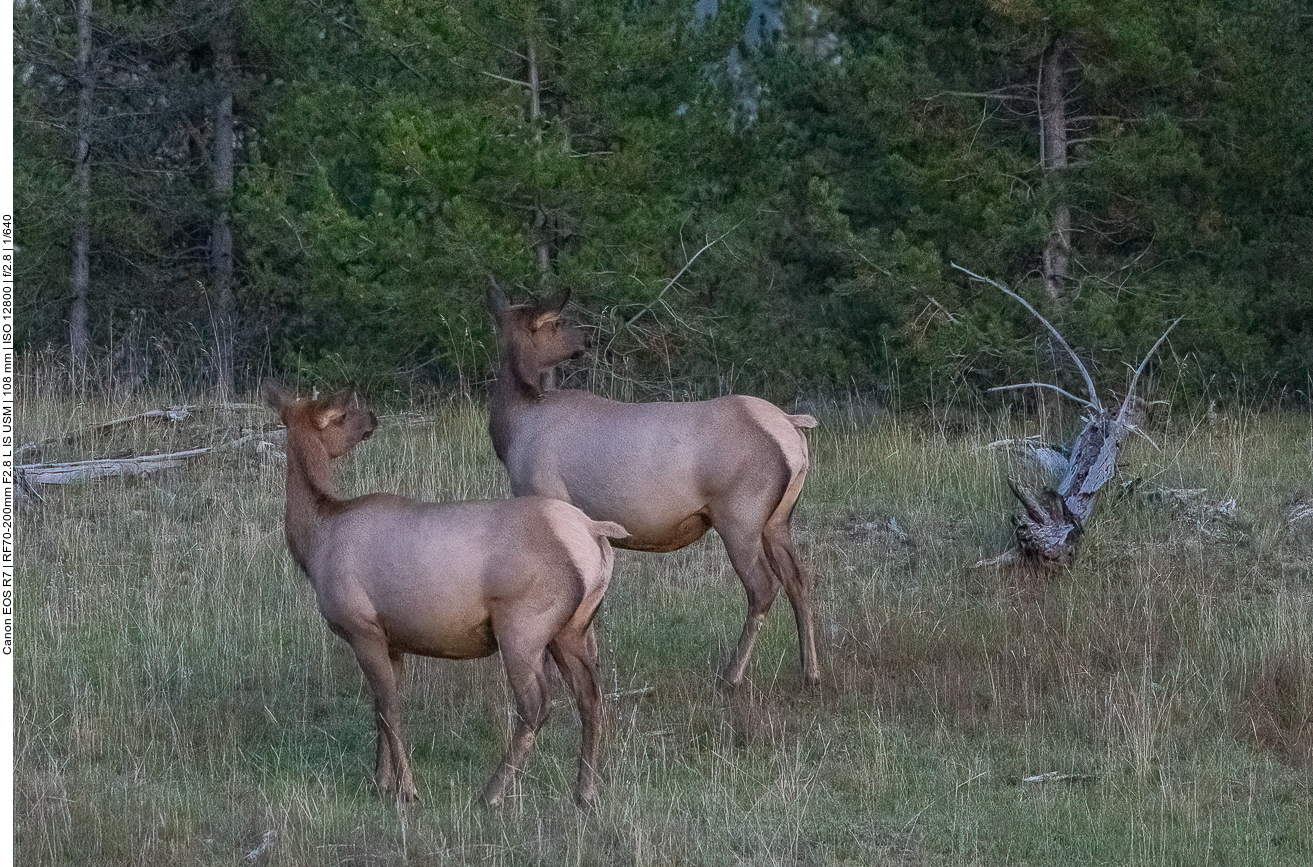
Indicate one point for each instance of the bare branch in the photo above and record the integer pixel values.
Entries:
(514, 81)
(1130, 392)
(673, 280)
(1061, 391)
(1023, 91)
(1085, 374)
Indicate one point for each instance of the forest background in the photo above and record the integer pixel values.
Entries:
(763, 196)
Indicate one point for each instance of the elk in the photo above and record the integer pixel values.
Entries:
(459, 580)
(667, 471)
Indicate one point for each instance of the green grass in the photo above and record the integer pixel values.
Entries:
(179, 700)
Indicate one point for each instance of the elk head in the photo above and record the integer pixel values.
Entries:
(534, 337)
(338, 422)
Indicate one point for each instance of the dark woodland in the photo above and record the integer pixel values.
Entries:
(764, 197)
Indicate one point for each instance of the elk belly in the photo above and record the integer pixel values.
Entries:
(456, 640)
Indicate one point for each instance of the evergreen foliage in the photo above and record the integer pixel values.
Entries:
(808, 177)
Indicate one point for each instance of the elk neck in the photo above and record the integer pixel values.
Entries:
(512, 396)
(311, 497)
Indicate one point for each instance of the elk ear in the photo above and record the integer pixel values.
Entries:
(556, 303)
(497, 301)
(326, 416)
(334, 407)
(544, 317)
(549, 309)
(274, 394)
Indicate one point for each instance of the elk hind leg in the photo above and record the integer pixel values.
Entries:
(749, 561)
(777, 542)
(526, 671)
(576, 657)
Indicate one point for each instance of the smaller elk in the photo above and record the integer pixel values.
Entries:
(667, 471)
(460, 580)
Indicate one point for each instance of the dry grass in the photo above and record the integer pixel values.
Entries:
(179, 701)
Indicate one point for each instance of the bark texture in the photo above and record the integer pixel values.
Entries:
(1053, 131)
(79, 328)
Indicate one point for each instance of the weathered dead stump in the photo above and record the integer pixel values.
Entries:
(1053, 519)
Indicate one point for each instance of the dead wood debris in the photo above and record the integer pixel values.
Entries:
(1300, 513)
(29, 478)
(1052, 520)
(168, 414)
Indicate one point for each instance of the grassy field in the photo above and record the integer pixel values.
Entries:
(179, 700)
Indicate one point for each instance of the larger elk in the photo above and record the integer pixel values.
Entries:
(460, 580)
(667, 471)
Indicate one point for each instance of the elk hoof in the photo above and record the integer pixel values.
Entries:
(586, 797)
(493, 795)
(731, 676)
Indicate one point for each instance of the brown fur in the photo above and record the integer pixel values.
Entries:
(667, 471)
(452, 580)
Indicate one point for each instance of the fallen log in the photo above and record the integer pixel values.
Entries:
(1053, 519)
(78, 471)
(168, 414)
(31, 476)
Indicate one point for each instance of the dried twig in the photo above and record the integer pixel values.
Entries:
(1085, 374)
(1130, 392)
(673, 280)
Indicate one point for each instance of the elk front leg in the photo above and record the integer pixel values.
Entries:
(382, 668)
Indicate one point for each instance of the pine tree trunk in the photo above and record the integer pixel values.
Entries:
(79, 329)
(541, 223)
(1053, 130)
(221, 241)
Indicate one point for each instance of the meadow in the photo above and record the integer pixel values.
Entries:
(179, 700)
